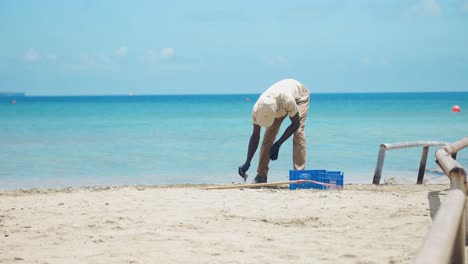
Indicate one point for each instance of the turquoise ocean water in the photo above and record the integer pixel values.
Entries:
(110, 140)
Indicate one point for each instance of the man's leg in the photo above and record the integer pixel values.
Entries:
(299, 141)
(268, 140)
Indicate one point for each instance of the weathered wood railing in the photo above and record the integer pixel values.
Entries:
(445, 241)
(389, 146)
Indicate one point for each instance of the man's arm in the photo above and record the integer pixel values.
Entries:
(295, 123)
(253, 145)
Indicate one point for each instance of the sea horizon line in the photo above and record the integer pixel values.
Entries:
(219, 94)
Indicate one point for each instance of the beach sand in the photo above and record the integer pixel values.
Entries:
(185, 224)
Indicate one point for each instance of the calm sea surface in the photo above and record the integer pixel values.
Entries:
(107, 140)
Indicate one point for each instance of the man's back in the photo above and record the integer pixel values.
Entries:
(289, 86)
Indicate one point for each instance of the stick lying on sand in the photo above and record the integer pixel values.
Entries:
(255, 185)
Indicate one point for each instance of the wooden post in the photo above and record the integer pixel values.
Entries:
(441, 241)
(466, 219)
(445, 243)
(458, 255)
(422, 165)
(389, 146)
(457, 181)
(379, 166)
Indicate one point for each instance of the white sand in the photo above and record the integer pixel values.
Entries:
(361, 224)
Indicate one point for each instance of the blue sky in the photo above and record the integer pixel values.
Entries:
(193, 47)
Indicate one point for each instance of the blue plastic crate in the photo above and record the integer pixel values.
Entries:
(329, 177)
(305, 175)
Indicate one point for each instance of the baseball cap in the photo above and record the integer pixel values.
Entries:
(265, 111)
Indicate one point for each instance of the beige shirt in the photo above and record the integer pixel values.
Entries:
(287, 93)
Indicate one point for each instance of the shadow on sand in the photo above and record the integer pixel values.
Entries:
(434, 201)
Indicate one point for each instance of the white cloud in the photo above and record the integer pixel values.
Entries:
(31, 55)
(152, 55)
(277, 60)
(425, 8)
(105, 59)
(52, 56)
(431, 7)
(366, 60)
(465, 7)
(89, 62)
(167, 53)
(87, 59)
(122, 51)
(94, 60)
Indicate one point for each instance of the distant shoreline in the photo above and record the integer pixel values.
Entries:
(19, 94)
(11, 94)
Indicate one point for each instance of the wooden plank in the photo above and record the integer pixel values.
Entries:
(413, 144)
(446, 162)
(252, 185)
(445, 243)
(270, 184)
(389, 146)
(456, 146)
(440, 242)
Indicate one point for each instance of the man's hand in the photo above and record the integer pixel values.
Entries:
(243, 169)
(274, 151)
